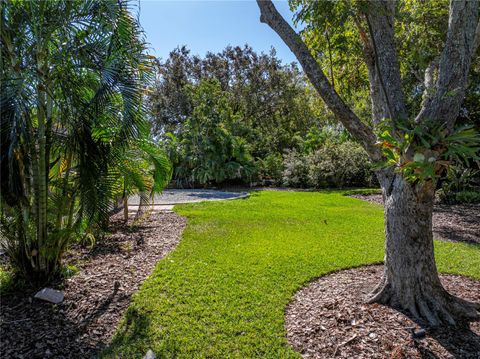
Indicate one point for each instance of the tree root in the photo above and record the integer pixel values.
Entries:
(435, 308)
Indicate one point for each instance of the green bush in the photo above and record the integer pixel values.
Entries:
(459, 197)
(467, 197)
(210, 150)
(270, 169)
(332, 165)
(295, 173)
(461, 185)
(339, 165)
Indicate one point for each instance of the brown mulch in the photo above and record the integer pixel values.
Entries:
(329, 319)
(451, 222)
(95, 299)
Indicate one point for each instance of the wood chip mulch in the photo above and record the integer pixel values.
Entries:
(95, 299)
(451, 222)
(329, 319)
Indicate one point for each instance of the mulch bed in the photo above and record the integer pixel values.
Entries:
(329, 319)
(95, 299)
(451, 222)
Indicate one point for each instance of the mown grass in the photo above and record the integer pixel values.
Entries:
(222, 293)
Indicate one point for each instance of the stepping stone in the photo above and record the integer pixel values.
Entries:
(50, 295)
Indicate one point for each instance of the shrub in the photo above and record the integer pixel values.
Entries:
(467, 197)
(333, 165)
(339, 165)
(270, 169)
(295, 173)
(210, 150)
(459, 197)
(461, 185)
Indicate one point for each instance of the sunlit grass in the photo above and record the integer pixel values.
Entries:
(223, 291)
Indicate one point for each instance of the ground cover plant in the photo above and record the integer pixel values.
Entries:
(224, 290)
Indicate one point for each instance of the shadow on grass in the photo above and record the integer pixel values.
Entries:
(132, 332)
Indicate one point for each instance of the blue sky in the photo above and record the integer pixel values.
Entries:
(209, 26)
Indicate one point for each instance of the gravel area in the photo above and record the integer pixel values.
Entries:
(451, 222)
(329, 319)
(175, 196)
(95, 299)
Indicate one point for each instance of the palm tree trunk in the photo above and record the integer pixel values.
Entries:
(125, 208)
(42, 164)
(42, 174)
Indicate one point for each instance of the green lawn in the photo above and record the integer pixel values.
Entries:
(223, 291)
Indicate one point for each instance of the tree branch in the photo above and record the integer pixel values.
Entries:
(444, 104)
(378, 100)
(476, 42)
(429, 80)
(380, 19)
(361, 132)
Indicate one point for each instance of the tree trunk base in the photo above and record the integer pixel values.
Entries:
(434, 306)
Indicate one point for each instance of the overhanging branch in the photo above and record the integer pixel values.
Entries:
(363, 133)
(476, 42)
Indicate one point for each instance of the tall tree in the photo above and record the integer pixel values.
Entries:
(416, 145)
(72, 77)
(269, 97)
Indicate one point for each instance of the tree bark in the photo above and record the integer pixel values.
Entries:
(444, 105)
(378, 99)
(410, 281)
(380, 19)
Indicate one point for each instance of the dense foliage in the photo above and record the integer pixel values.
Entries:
(72, 124)
(332, 165)
(209, 149)
(269, 98)
(338, 32)
(237, 116)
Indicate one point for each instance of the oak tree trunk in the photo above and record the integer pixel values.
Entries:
(410, 280)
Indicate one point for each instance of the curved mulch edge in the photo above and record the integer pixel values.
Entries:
(451, 222)
(329, 318)
(95, 299)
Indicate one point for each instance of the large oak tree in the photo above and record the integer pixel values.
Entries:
(416, 144)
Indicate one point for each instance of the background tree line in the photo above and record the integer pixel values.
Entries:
(242, 117)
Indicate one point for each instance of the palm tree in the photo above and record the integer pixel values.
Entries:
(72, 80)
(145, 170)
